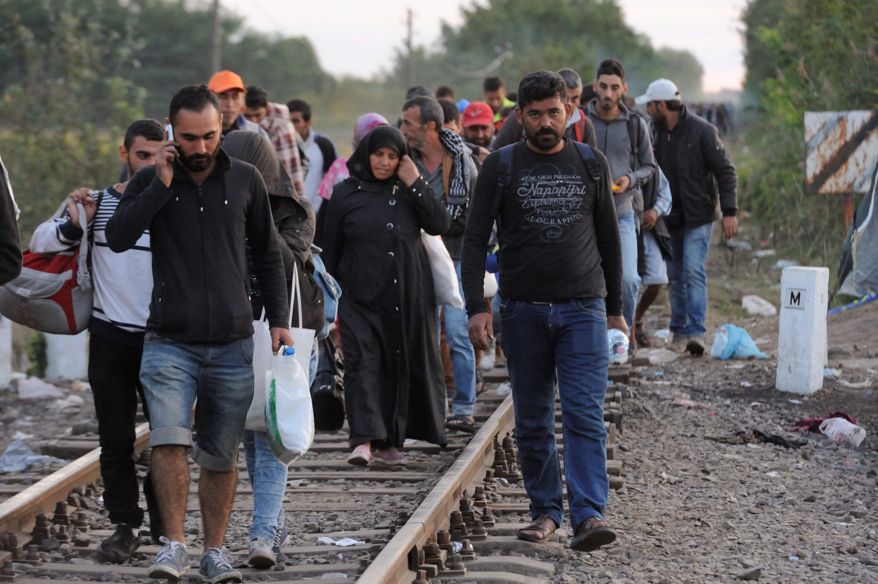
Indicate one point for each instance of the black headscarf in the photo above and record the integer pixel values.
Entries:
(380, 137)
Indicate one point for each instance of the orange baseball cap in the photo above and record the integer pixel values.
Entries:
(223, 81)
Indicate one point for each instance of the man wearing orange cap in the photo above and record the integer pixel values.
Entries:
(229, 88)
(478, 124)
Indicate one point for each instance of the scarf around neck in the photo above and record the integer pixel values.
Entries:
(457, 197)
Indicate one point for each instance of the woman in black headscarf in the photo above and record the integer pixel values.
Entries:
(394, 385)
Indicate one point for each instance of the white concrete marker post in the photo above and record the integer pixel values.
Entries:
(67, 356)
(801, 344)
(5, 352)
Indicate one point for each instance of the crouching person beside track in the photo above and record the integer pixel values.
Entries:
(561, 284)
(201, 207)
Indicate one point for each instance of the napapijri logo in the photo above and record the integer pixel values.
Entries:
(553, 198)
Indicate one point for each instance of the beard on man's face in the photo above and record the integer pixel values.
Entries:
(198, 162)
(546, 138)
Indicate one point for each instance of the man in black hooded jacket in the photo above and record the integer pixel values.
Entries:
(689, 151)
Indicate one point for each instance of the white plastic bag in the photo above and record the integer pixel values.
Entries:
(262, 357)
(841, 431)
(261, 366)
(289, 417)
(445, 284)
(491, 285)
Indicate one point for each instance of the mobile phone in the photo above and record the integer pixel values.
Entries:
(170, 130)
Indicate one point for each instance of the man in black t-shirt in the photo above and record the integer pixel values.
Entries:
(561, 282)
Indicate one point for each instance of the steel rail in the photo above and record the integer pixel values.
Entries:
(17, 515)
(393, 563)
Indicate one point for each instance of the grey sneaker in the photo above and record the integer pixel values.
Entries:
(678, 343)
(171, 563)
(281, 539)
(696, 346)
(261, 557)
(216, 566)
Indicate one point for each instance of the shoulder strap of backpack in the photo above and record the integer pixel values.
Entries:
(633, 124)
(98, 201)
(504, 177)
(586, 153)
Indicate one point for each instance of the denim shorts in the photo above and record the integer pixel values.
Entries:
(216, 378)
(656, 269)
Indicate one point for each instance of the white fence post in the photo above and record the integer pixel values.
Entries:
(802, 343)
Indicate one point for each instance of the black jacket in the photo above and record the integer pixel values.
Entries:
(199, 260)
(10, 249)
(699, 170)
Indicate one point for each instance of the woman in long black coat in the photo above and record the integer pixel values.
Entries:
(394, 385)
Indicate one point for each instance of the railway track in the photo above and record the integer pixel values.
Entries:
(448, 514)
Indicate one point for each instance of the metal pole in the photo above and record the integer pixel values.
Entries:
(215, 45)
(408, 48)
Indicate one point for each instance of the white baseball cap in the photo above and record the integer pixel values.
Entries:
(660, 90)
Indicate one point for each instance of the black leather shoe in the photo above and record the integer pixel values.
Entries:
(592, 534)
(117, 548)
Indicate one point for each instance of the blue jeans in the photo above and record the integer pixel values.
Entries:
(175, 373)
(687, 279)
(268, 476)
(570, 338)
(463, 357)
(630, 275)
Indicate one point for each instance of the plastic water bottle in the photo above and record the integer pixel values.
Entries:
(289, 351)
(617, 347)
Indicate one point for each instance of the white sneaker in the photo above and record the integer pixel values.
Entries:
(261, 557)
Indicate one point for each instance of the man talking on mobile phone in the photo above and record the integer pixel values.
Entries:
(200, 206)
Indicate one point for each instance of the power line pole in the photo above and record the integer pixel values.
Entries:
(215, 39)
(408, 48)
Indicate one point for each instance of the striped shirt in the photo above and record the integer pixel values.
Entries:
(123, 281)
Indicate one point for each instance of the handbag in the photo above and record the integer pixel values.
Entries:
(331, 291)
(327, 391)
(54, 292)
(445, 285)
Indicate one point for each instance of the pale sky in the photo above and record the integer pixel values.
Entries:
(357, 37)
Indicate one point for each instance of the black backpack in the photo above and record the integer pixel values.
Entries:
(327, 391)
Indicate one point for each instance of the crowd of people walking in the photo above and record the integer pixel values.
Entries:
(581, 208)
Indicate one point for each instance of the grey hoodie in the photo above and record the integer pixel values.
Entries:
(613, 141)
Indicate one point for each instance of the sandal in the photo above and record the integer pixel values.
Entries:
(538, 531)
(461, 424)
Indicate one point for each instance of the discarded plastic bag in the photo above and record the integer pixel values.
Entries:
(289, 416)
(343, 542)
(18, 457)
(841, 431)
(733, 342)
